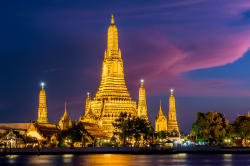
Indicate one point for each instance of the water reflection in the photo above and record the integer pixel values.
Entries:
(126, 160)
(227, 158)
(12, 158)
(41, 160)
(67, 158)
(107, 159)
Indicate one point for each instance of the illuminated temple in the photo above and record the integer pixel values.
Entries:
(42, 129)
(160, 121)
(112, 97)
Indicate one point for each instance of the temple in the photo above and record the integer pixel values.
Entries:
(42, 107)
(160, 121)
(112, 96)
(42, 129)
(172, 120)
(142, 104)
(65, 122)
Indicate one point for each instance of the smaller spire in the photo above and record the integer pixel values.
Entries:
(112, 19)
(142, 83)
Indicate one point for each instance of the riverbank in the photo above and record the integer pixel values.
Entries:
(124, 150)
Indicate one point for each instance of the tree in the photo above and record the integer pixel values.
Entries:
(241, 129)
(210, 127)
(75, 134)
(132, 128)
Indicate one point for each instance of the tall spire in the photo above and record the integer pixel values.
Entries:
(142, 104)
(112, 97)
(42, 107)
(113, 82)
(172, 120)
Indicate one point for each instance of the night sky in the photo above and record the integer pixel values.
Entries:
(198, 47)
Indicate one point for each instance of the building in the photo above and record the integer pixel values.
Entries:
(41, 129)
(160, 121)
(65, 122)
(12, 140)
(142, 104)
(112, 96)
(172, 120)
(20, 127)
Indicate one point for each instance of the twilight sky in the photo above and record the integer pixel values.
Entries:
(201, 48)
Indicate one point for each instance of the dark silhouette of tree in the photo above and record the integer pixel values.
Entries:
(130, 128)
(211, 127)
(241, 129)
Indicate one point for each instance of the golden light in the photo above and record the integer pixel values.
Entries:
(42, 84)
(172, 90)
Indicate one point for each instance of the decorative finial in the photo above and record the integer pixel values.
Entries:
(160, 107)
(42, 85)
(88, 95)
(112, 19)
(172, 91)
(65, 111)
(142, 82)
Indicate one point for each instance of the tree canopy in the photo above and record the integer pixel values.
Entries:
(211, 127)
(129, 128)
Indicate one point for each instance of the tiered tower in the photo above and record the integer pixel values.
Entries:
(142, 104)
(172, 120)
(112, 97)
(65, 122)
(160, 121)
(42, 107)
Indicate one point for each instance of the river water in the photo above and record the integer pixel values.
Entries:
(127, 160)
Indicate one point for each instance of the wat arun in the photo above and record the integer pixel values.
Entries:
(112, 96)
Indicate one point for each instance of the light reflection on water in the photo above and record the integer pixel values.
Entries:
(40, 160)
(67, 158)
(12, 158)
(182, 159)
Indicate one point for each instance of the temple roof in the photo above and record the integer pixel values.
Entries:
(65, 116)
(46, 130)
(94, 130)
(160, 113)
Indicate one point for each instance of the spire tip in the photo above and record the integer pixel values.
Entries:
(42, 85)
(142, 82)
(172, 91)
(112, 19)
